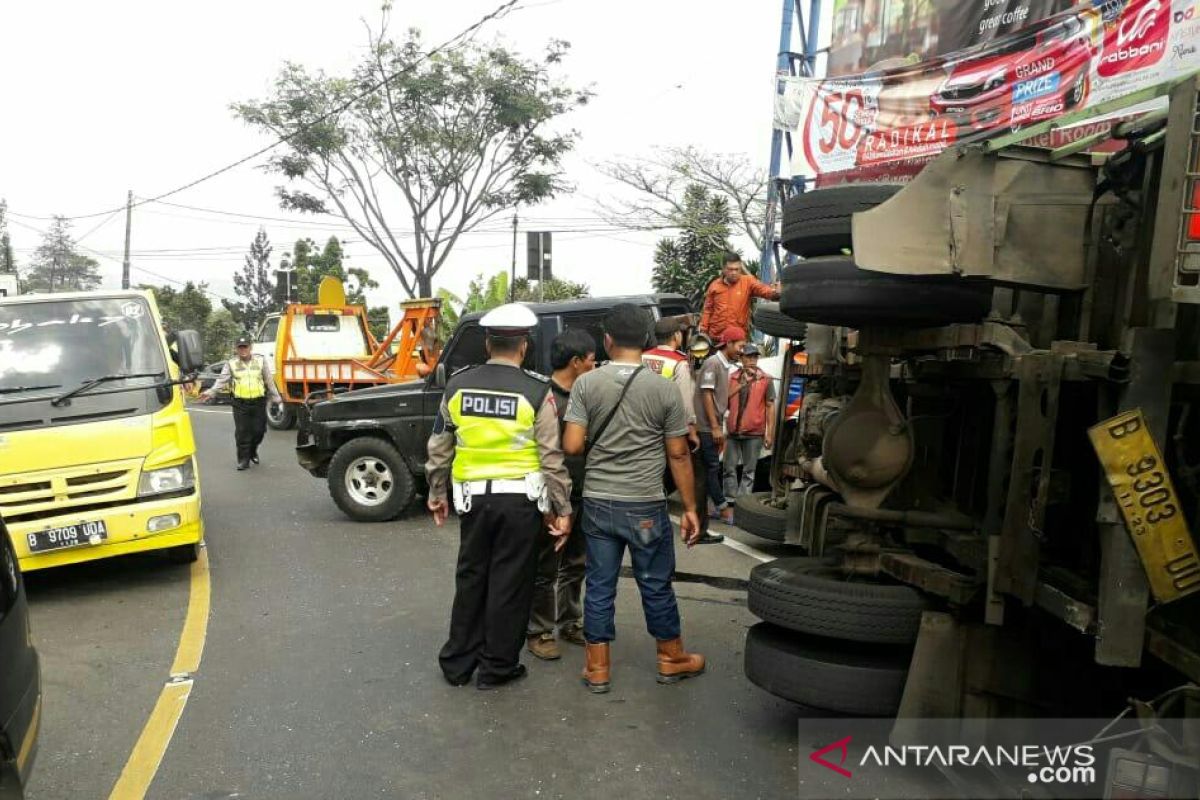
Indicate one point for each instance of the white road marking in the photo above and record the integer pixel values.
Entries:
(734, 544)
(210, 410)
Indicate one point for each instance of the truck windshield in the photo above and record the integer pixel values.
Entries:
(65, 343)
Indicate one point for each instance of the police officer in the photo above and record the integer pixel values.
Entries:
(252, 382)
(496, 434)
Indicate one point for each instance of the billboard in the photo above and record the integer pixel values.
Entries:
(948, 71)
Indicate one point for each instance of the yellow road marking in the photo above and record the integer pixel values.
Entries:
(195, 624)
(152, 744)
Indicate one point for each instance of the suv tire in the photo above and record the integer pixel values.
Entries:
(820, 673)
(369, 480)
(817, 223)
(809, 595)
(832, 290)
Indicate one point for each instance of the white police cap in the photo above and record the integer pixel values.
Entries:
(510, 319)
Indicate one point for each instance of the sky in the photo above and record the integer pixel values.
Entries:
(101, 98)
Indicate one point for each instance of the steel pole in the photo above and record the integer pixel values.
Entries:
(783, 68)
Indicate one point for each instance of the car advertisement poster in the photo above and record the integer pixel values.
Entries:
(1011, 64)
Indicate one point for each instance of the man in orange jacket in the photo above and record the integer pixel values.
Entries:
(727, 301)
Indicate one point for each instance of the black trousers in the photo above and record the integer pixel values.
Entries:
(558, 585)
(493, 586)
(249, 425)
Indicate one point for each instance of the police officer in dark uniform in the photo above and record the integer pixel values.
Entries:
(496, 441)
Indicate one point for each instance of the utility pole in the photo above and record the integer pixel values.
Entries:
(128, 224)
(512, 281)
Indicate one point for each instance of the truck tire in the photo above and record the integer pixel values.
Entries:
(369, 480)
(773, 322)
(817, 223)
(183, 553)
(819, 673)
(832, 290)
(809, 595)
(281, 416)
(752, 514)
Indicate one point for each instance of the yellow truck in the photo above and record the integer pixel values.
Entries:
(97, 457)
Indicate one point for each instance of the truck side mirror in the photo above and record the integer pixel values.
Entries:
(188, 352)
(439, 376)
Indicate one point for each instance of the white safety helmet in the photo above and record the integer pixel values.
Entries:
(510, 319)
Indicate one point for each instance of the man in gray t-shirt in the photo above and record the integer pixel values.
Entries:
(627, 463)
(712, 401)
(623, 503)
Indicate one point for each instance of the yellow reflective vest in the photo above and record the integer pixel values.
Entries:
(246, 378)
(492, 412)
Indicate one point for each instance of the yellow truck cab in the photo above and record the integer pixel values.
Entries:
(97, 457)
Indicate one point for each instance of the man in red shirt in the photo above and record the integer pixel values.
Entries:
(727, 301)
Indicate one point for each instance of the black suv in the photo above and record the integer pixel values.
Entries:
(20, 682)
(370, 443)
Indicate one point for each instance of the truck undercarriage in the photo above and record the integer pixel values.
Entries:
(999, 478)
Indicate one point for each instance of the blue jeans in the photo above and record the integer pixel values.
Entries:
(644, 528)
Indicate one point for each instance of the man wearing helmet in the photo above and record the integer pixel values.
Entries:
(496, 443)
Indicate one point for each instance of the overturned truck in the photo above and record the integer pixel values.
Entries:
(996, 467)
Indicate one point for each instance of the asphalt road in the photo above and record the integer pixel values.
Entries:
(319, 678)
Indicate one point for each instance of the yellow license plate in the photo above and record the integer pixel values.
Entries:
(1153, 516)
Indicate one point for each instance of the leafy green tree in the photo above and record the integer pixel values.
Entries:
(57, 266)
(458, 136)
(312, 264)
(487, 293)
(554, 289)
(8, 264)
(255, 284)
(190, 308)
(219, 335)
(688, 263)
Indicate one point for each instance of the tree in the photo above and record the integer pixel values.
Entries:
(312, 264)
(688, 263)
(481, 295)
(183, 309)
(219, 335)
(8, 264)
(663, 180)
(57, 266)
(455, 137)
(484, 294)
(190, 308)
(553, 289)
(255, 284)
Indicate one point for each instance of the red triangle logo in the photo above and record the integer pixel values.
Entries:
(842, 746)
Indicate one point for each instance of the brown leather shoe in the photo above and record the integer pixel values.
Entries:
(596, 668)
(572, 634)
(544, 646)
(675, 664)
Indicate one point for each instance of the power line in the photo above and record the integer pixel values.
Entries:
(502, 10)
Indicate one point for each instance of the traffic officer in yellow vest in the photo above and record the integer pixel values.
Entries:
(252, 383)
(495, 441)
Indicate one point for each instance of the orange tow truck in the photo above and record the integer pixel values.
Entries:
(327, 347)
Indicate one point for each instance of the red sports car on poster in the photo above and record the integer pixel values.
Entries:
(1031, 79)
